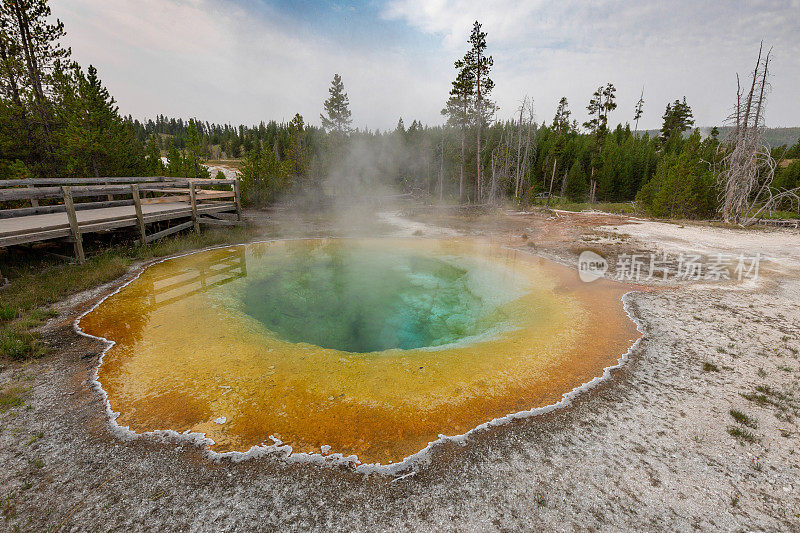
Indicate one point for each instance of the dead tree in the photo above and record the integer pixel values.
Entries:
(501, 162)
(746, 169)
(519, 148)
(441, 171)
(522, 165)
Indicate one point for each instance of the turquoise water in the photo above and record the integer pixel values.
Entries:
(361, 299)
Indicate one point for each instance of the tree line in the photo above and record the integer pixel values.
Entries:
(57, 119)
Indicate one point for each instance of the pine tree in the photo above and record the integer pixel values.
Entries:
(337, 108)
(93, 139)
(194, 154)
(683, 186)
(677, 118)
(30, 52)
(575, 187)
(458, 112)
(788, 178)
(603, 101)
(298, 151)
(609, 103)
(561, 120)
(595, 111)
(175, 164)
(601, 104)
(155, 166)
(794, 151)
(480, 65)
(263, 177)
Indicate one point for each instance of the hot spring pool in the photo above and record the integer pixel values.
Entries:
(361, 347)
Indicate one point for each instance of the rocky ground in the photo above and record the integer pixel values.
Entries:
(699, 430)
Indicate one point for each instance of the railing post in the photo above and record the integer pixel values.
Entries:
(73, 224)
(237, 200)
(193, 200)
(137, 204)
(34, 201)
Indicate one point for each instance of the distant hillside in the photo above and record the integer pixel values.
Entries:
(773, 136)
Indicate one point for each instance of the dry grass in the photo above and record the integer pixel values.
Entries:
(11, 396)
(35, 287)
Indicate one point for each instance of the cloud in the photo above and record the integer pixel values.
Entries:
(247, 61)
(553, 48)
(225, 62)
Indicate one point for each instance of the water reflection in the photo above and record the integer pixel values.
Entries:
(201, 275)
(159, 287)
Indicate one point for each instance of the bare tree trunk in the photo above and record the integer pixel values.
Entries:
(34, 72)
(527, 147)
(492, 187)
(752, 89)
(479, 102)
(18, 108)
(519, 149)
(27, 47)
(463, 160)
(552, 178)
(478, 194)
(747, 169)
(12, 79)
(441, 173)
(507, 155)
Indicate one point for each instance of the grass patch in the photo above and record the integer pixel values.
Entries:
(17, 343)
(8, 506)
(742, 434)
(766, 395)
(743, 419)
(539, 499)
(11, 397)
(779, 215)
(710, 367)
(7, 313)
(34, 288)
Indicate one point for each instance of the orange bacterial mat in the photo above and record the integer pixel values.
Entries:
(371, 347)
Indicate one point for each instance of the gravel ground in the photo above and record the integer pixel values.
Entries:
(650, 449)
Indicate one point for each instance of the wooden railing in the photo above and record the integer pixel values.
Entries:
(203, 200)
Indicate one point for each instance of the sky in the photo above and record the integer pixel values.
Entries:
(244, 61)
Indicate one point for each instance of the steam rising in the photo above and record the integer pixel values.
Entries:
(360, 176)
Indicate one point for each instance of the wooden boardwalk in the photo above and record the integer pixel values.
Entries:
(146, 201)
